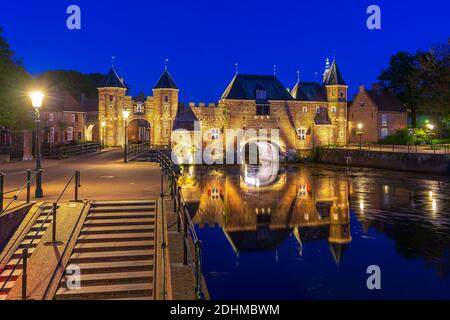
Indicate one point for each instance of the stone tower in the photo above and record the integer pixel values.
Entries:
(336, 89)
(111, 101)
(165, 102)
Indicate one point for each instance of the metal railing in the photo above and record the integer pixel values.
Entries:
(71, 151)
(443, 149)
(24, 257)
(193, 259)
(30, 174)
(135, 150)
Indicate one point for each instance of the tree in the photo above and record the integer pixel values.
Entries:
(421, 80)
(397, 78)
(76, 83)
(13, 84)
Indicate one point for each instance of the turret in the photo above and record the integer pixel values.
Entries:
(165, 95)
(111, 96)
(336, 90)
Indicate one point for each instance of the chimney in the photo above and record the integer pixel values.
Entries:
(361, 89)
(376, 87)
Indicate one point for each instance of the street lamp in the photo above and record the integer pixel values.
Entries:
(360, 134)
(103, 124)
(431, 127)
(125, 114)
(37, 98)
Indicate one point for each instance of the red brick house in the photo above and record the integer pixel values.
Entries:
(62, 119)
(380, 113)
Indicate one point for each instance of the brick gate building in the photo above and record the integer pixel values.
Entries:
(310, 115)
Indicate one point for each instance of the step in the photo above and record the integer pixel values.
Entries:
(117, 229)
(111, 256)
(105, 292)
(123, 203)
(118, 266)
(119, 215)
(6, 273)
(118, 222)
(8, 285)
(123, 209)
(30, 235)
(90, 238)
(111, 246)
(113, 278)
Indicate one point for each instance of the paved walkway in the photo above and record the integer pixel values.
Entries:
(104, 176)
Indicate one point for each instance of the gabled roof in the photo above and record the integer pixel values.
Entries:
(244, 86)
(165, 81)
(308, 91)
(111, 80)
(386, 101)
(334, 76)
(61, 101)
(185, 118)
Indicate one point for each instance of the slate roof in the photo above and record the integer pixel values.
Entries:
(322, 118)
(90, 104)
(185, 118)
(111, 80)
(61, 101)
(165, 81)
(244, 86)
(334, 76)
(386, 101)
(308, 91)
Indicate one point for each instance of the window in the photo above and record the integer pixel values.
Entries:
(261, 95)
(362, 104)
(69, 134)
(341, 94)
(111, 98)
(317, 109)
(80, 135)
(215, 133)
(50, 117)
(333, 109)
(166, 99)
(384, 133)
(301, 133)
(384, 120)
(305, 109)
(262, 110)
(72, 117)
(52, 134)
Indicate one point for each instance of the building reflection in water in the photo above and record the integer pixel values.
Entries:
(259, 210)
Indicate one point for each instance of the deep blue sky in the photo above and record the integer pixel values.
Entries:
(203, 39)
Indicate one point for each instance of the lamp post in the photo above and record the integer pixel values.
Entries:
(360, 134)
(430, 128)
(103, 124)
(125, 114)
(36, 100)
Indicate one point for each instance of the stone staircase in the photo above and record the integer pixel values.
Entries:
(13, 269)
(115, 253)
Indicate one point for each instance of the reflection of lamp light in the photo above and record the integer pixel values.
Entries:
(361, 205)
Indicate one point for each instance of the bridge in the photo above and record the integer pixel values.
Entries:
(100, 231)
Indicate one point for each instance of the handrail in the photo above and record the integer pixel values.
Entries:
(184, 217)
(53, 211)
(18, 191)
(76, 149)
